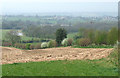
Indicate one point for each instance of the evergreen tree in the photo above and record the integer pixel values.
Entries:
(60, 35)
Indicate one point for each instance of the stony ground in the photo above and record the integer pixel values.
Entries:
(13, 55)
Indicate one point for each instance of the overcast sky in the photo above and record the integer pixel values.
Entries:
(41, 6)
(14, 1)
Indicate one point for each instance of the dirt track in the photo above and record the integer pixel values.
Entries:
(13, 55)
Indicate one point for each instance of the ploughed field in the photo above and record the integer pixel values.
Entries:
(13, 55)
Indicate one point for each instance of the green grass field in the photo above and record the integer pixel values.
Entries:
(101, 67)
(61, 68)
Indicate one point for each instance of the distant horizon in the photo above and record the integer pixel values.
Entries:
(58, 7)
(87, 14)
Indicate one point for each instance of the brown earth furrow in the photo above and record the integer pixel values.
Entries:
(13, 55)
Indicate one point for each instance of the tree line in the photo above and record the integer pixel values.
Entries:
(99, 37)
(85, 37)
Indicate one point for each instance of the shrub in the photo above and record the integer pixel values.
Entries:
(93, 44)
(6, 44)
(64, 42)
(20, 45)
(83, 42)
(70, 42)
(28, 46)
(52, 43)
(116, 45)
(17, 45)
(38, 46)
(32, 47)
(67, 42)
(44, 45)
(23, 46)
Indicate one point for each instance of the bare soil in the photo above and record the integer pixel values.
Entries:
(13, 55)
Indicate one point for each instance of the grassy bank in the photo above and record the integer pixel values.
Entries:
(60, 68)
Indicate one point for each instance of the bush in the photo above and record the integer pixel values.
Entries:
(67, 42)
(70, 42)
(64, 42)
(116, 45)
(28, 46)
(32, 47)
(38, 46)
(17, 45)
(20, 45)
(44, 45)
(52, 43)
(83, 42)
(6, 44)
(23, 46)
